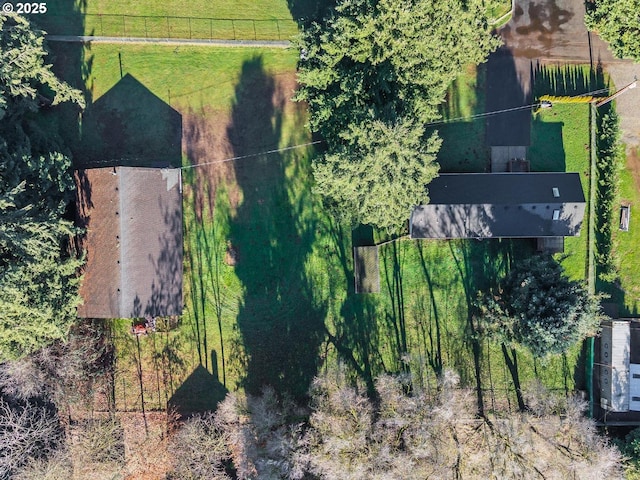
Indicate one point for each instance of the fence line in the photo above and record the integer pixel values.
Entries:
(170, 27)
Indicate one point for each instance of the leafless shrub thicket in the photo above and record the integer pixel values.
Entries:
(57, 466)
(247, 437)
(405, 433)
(416, 435)
(65, 371)
(27, 431)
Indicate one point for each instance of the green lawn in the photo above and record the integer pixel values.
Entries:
(187, 77)
(625, 244)
(559, 143)
(463, 146)
(220, 19)
(496, 9)
(269, 274)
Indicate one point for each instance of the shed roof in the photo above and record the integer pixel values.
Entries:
(485, 205)
(366, 269)
(133, 219)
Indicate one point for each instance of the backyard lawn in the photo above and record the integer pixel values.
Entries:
(625, 244)
(463, 147)
(560, 143)
(220, 19)
(268, 283)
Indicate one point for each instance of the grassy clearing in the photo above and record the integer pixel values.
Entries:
(559, 143)
(260, 19)
(426, 290)
(184, 77)
(269, 275)
(625, 244)
(233, 102)
(463, 147)
(496, 9)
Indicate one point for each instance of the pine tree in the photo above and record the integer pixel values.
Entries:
(373, 74)
(538, 307)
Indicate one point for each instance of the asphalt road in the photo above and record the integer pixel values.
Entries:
(550, 32)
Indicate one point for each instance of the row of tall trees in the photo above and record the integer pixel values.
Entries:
(373, 74)
(38, 280)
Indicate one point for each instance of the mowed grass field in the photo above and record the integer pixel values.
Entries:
(200, 19)
(625, 244)
(560, 143)
(268, 273)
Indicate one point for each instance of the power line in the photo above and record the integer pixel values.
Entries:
(439, 122)
(514, 109)
(268, 152)
(479, 115)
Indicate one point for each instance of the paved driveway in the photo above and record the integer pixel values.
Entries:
(551, 32)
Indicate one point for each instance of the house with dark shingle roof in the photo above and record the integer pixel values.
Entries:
(133, 242)
(500, 205)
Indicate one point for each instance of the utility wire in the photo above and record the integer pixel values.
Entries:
(479, 115)
(439, 122)
(268, 152)
(514, 109)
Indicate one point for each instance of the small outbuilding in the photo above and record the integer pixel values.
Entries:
(619, 366)
(366, 269)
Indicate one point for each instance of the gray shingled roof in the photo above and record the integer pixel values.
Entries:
(133, 218)
(508, 205)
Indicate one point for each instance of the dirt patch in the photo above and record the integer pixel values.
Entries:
(212, 138)
(146, 452)
(633, 163)
(231, 255)
(205, 142)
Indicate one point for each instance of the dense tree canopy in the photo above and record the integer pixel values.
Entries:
(389, 172)
(38, 283)
(617, 22)
(373, 74)
(25, 80)
(538, 307)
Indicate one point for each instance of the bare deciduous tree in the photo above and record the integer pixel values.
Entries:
(26, 431)
(254, 436)
(200, 450)
(55, 467)
(410, 434)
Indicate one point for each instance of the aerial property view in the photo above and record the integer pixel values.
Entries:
(333, 239)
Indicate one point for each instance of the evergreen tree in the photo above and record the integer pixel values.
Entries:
(618, 22)
(538, 307)
(381, 172)
(25, 80)
(373, 74)
(38, 280)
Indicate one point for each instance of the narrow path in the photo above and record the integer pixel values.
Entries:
(170, 41)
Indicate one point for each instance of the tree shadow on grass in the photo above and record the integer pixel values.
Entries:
(280, 326)
(481, 265)
(463, 140)
(355, 330)
(547, 143)
(305, 11)
(72, 62)
(566, 80)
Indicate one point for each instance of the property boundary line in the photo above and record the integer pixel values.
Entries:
(167, 41)
(171, 27)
